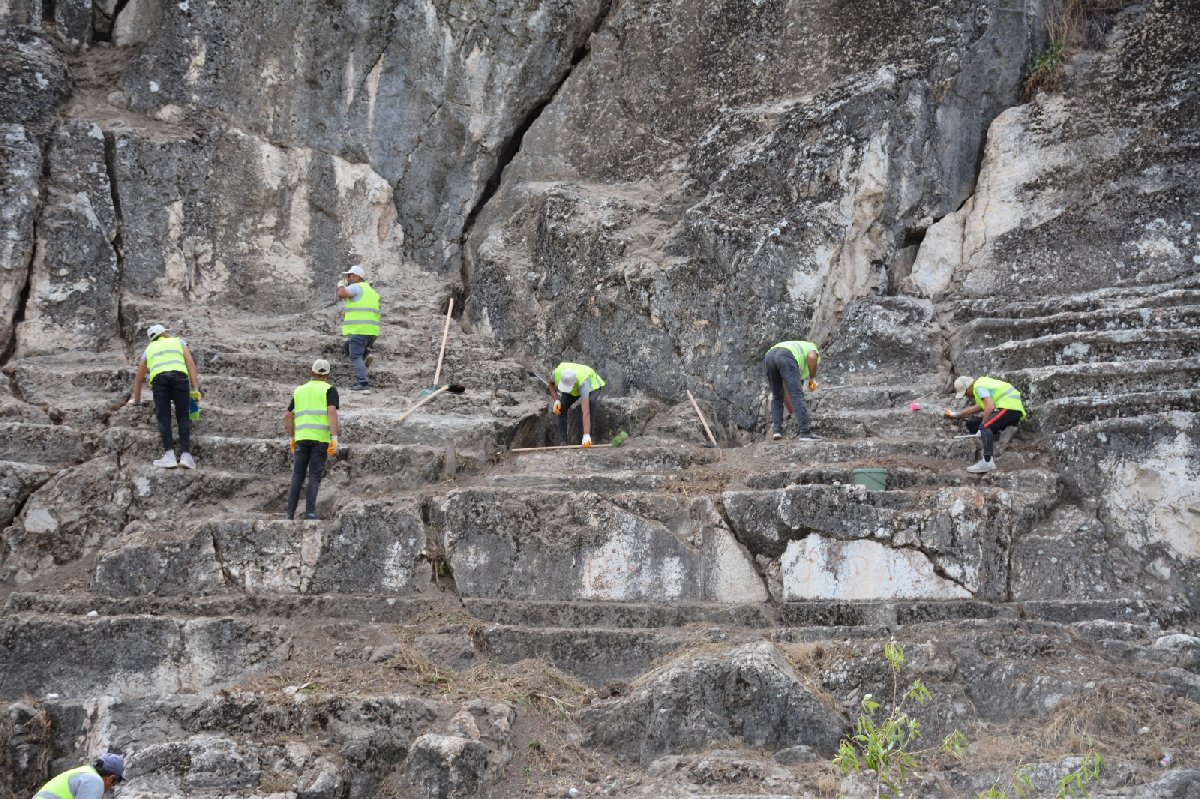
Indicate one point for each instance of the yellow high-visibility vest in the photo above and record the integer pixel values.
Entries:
(361, 317)
(60, 786)
(1003, 395)
(582, 373)
(800, 351)
(310, 412)
(165, 354)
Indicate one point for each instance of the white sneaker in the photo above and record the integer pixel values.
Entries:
(981, 467)
(776, 436)
(185, 460)
(167, 461)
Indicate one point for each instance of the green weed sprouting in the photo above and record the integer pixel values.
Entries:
(887, 747)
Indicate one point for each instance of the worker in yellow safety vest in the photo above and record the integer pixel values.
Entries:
(1001, 407)
(573, 382)
(360, 322)
(174, 380)
(788, 364)
(86, 782)
(312, 427)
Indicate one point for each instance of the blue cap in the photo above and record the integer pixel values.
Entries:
(113, 764)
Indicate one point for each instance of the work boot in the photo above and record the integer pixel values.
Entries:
(185, 460)
(981, 467)
(167, 461)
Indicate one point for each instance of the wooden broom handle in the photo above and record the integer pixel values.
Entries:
(445, 332)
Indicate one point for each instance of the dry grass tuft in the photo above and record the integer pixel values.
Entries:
(1070, 24)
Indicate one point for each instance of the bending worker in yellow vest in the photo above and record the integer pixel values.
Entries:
(173, 379)
(571, 382)
(312, 427)
(1001, 406)
(86, 782)
(788, 364)
(360, 322)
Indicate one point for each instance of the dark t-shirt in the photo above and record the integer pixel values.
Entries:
(331, 398)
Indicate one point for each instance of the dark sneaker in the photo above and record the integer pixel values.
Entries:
(309, 517)
(809, 436)
(360, 387)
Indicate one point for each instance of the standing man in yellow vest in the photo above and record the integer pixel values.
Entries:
(360, 322)
(312, 427)
(571, 382)
(86, 782)
(173, 378)
(788, 364)
(1001, 406)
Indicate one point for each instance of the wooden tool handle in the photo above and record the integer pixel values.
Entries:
(409, 412)
(445, 332)
(697, 407)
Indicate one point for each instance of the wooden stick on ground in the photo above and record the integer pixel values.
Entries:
(445, 332)
(702, 421)
(409, 412)
(562, 446)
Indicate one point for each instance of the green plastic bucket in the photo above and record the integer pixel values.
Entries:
(873, 479)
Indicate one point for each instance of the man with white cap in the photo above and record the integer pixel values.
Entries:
(312, 427)
(1001, 406)
(86, 782)
(360, 321)
(173, 379)
(571, 382)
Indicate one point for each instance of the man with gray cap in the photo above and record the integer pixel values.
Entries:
(312, 427)
(360, 321)
(571, 382)
(1001, 406)
(173, 379)
(86, 782)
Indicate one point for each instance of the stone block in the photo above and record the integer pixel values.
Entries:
(513, 544)
(750, 695)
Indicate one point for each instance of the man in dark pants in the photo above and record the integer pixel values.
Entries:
(1001, 406)
(312, 427)
(788, 364)
(571, 382)
(173, 379)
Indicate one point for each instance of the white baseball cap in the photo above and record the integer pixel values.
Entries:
(356, 270)
(155, 331)
(961, 385)
(320, 367)
(567, 381)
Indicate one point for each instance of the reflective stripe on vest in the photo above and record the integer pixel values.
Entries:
(60, 787)
(581, 373)
(800, 351)
(165, 354)
(1004, 396)
(310, 411)
(361, 317)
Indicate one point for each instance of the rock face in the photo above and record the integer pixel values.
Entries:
(774, 186)
(749, 695)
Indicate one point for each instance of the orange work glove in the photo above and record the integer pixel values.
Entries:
(587, 442)
(558, 407)
(949, 414)
(292, 447)
(331, 450)
(812, 385)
